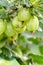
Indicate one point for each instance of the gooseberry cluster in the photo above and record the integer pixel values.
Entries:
(21, 22)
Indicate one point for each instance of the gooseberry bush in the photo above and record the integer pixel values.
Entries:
(21, 32)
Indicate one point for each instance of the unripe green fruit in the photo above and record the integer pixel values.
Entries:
(9, 31)
(14, 37)
(2, 26)
(24, 15)
(35, 2)
(18, 25)
(15, 22)
(21, 29)
(33, 24)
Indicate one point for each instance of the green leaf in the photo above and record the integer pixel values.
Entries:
(14, 62)
(36, 58)
(3, 14)
(41, 49)
(35, 40)
(8, 62)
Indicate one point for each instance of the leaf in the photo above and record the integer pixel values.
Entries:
(22, 62)
(37, 64)
(2, 43)
(8, 62)
(4, 3)
(35, 40)
(36, 58)
(14, 62)
(3, 14)
(34, 49)
(23, 44)
(41, 49)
